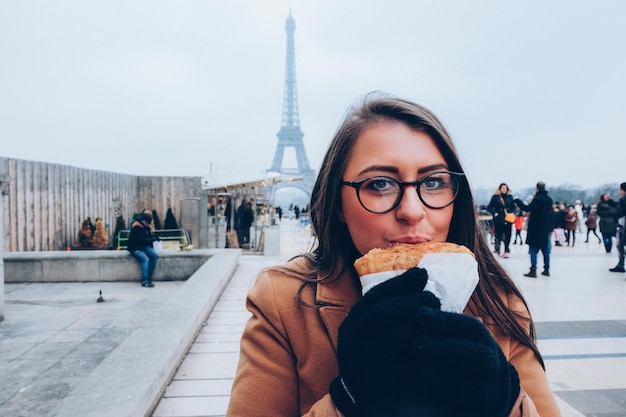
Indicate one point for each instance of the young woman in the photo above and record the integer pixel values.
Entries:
(391, 175)
(571, 224)
(501, 203)
(592, 224)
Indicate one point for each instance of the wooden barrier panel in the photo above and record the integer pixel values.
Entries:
(45, 204)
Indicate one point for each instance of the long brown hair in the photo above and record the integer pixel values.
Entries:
(335, 246)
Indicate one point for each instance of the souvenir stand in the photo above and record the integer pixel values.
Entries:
(220, 219)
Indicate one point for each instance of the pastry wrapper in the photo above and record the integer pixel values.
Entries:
(452, 277)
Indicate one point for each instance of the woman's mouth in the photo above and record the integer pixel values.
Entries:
(409, 240)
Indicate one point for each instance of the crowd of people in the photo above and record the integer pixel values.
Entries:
(555, 222)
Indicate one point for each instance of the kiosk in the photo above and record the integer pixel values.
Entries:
(223, 196)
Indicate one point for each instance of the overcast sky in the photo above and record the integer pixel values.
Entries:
(532, 90)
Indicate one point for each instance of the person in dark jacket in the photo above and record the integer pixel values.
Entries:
(245, 218)
(539, 229)
(608, 225)
(592, 223)
(140, 247)
(620, 217)
(501, 203)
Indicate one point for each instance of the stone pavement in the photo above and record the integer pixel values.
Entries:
(58, 346)
(64, 354)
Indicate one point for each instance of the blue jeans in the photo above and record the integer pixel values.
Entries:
(545, 251)
(148, 258)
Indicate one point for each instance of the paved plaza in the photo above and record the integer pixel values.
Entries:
(580, 313)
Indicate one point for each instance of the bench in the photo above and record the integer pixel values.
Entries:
(171, 238)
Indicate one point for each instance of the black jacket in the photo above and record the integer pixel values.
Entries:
(496, 207)
(539, 220)
(245, 216)
(606, 212)
(620, 211)
(140, 236)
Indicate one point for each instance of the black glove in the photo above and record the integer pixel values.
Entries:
(458, 364)
(399, 355)
(375, 347)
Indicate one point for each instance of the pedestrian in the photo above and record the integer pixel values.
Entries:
(229, 213)
(485, 219)
(620, 217)
(140, 246)
(592, 223)
(558, 223)
(245, 218)
(539, 229)
(501, 205)
(571, 224)
(391, 175)
(519, 226)
(608, 225)
(580, 211)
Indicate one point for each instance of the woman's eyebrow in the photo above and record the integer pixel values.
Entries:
(394, 170)
(430, 168)
(385, 168)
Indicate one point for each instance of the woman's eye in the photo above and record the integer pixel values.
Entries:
(435, 183)
(381, 185)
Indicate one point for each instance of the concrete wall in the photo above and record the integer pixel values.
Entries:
(106, 265)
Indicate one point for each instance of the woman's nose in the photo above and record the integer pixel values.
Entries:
(410, 209)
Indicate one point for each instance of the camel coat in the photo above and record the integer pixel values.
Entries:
(288, 351)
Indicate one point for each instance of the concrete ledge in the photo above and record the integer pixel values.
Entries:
(131, 380)
(97, 265)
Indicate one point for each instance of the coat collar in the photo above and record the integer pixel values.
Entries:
(336, 295)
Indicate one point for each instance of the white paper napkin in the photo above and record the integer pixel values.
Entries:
(452, 277)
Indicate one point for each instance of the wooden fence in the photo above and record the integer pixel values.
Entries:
(44, 205)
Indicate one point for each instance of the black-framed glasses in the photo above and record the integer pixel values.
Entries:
(381, 194)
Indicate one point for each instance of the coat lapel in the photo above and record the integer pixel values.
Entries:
(336, 296)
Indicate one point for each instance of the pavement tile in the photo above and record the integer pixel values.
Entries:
(217, 365)
(198, 388)
(215, 347)
(601, 403)
(213, 406)
(587, 374)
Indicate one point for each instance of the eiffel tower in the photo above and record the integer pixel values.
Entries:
(290, 134)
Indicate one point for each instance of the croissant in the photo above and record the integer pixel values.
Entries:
(402, 256)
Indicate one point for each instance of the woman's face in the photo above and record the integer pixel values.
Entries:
(504, 189)
(393, 150)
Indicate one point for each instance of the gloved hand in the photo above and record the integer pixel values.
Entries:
(374, 349)
(399, 355)
(458, 364)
